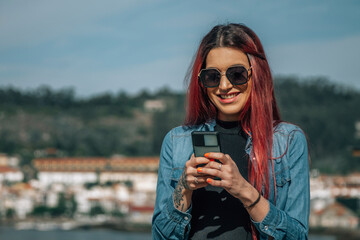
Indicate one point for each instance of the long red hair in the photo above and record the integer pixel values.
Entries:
(260, 114)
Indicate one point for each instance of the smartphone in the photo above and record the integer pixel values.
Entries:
(204, 142)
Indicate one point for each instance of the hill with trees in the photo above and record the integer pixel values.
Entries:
(109, 124)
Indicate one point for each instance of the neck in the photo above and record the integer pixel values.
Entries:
(227, 118)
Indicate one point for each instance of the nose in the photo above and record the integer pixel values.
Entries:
(225, 84)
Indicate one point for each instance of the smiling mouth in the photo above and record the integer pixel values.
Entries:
(228, 96)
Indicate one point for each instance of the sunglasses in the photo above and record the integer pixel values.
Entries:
(211, 77)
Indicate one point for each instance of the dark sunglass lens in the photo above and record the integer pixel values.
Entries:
(237, 75)
(210, 77)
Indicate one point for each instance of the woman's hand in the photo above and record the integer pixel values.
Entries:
(233, 182)
(231, 179)
(190, 180)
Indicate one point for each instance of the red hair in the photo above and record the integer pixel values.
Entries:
(260, 114)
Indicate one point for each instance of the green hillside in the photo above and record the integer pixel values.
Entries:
(109, 124)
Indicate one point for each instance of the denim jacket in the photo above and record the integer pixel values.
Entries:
(288, 217)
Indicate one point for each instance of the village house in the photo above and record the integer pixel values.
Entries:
(136, 179)
(9, 170)
(157, 105)
(325, 191)
(334, 215)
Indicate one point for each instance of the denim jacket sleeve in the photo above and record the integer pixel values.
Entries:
(288, 218)
(168, 222)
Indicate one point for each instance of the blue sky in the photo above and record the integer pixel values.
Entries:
(108, 46)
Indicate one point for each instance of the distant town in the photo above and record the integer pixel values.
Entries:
(72, 192)
(78, 192)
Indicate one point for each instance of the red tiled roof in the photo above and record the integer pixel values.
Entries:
(4, 169)
(337, 208)
(90, 164)
(142, 208)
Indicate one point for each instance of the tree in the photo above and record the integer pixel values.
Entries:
(60, 209)
(10, 213)
(96, 210)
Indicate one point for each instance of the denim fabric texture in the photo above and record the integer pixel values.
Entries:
(288, 217)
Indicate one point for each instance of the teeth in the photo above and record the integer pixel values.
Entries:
(228, 96)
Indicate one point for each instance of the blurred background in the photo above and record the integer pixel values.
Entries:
(88, 90)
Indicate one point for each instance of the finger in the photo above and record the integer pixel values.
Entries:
(216, 165)
(191, 171)
(215, 183)
(213, 172)
(197, 182)
(190, 161)
(195, 161)
(200, 173)
(200, 185)
(201, 180)
(224, 158)
(192, 174)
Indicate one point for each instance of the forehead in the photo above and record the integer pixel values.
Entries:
(224, 57)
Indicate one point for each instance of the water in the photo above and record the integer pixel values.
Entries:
(7, 233)
(93, 234)
(319, 237)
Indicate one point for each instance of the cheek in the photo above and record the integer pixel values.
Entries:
(210, 95)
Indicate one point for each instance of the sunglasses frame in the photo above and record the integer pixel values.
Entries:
(224, 74)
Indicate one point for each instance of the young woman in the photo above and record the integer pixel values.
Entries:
(260, 190)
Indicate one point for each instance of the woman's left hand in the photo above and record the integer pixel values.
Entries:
(231, 179)
(234, 183)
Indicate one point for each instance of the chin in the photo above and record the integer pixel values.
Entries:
(229, 115)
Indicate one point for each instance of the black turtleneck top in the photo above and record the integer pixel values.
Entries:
(215, 213)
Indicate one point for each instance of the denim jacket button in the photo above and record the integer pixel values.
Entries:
(266, 228)
(186, 218)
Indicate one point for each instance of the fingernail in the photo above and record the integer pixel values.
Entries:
(209, 180)
(206, 155)
(199, 169)
(212, 159)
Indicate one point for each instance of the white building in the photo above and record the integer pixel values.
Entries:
(10, 174)
(134, 181)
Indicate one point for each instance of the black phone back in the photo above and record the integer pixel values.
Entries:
(204, 142)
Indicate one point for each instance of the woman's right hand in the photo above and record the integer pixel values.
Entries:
(189, 181)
